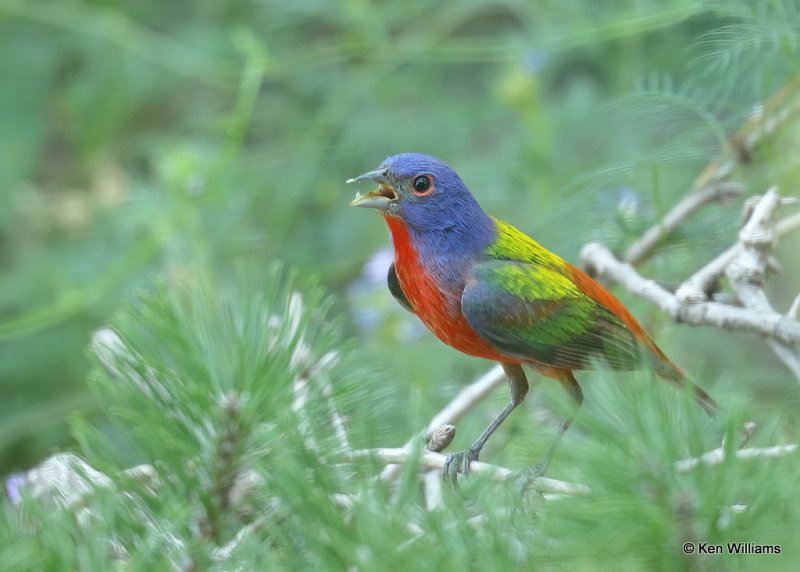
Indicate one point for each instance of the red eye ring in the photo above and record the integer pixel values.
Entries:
(422, 185)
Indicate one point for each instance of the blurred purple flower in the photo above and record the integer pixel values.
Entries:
(13, 485)
(534, 61)
(628, 202)
(376, 268)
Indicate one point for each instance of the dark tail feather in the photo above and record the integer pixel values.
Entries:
(703, 398)
(671, 372)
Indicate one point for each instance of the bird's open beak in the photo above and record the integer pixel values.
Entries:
(380, 198)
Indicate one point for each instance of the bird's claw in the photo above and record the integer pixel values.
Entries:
(459, 461)
(526, 478)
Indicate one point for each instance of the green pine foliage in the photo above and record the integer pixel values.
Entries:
(243, 406)
(158, 158)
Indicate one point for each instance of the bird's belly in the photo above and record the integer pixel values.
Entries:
(441, 312)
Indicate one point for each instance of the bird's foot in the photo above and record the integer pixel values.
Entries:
(459, 461)
(525, 479)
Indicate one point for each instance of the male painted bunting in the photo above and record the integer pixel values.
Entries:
(488, 290)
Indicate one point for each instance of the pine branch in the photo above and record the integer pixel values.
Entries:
(68, 482)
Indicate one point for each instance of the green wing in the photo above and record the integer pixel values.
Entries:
(534, 312)
(397, 292)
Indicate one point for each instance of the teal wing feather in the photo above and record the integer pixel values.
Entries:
(396, 290)
(533, 311)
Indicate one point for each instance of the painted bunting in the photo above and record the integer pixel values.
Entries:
(488, 290)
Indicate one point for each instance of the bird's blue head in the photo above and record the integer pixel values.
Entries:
(426, 194)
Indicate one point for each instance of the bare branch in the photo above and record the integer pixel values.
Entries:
(701, 282)
(792, 313)
(465, 401)
(685, 208)
(690, 311)
(433, 490)
(787, 225)
(698, 287)
(747, 271)
(432, 460)
(745, 264)
(717, 456)
(714, 183)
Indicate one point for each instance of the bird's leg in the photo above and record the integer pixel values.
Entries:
(461, 460)
(524, 477)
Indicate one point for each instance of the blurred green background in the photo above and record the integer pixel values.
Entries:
(146, 140)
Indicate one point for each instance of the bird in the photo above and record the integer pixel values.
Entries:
(488, 290)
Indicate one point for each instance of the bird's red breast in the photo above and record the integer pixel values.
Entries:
(440, 312)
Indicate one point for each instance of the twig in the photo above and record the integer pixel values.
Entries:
(224, 552)
(465, 401)
(744, 264)
(792, 313)
(685, 208)
(689, 311)
(433, 460)
(699, 286)
(747, 271)
(433, 490)
(788, 224)
(714, 183)
(717, 456)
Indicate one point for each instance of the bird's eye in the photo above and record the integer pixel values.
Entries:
(422, 185)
